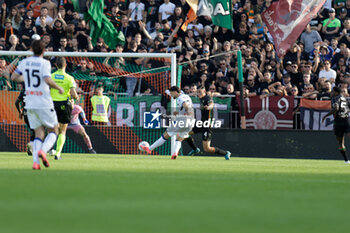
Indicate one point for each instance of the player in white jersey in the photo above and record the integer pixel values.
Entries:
(184, 113)
(35, 72)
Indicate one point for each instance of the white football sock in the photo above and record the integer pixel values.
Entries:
(157, 143)
(177, 147)
(49, 142)
(36, 147)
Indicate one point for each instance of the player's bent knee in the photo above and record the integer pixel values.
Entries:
(180, 139)
(208, 148)
(166, 136)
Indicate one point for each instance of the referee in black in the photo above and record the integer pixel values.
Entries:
(340, 110)
(206, 106)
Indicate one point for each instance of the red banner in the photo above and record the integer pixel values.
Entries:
(286, 20)
(272, 112)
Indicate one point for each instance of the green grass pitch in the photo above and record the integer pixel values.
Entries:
(126, 193)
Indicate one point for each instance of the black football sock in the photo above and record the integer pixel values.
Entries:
(32, 135)
(343, 153)
(220, 151)
(190, 142)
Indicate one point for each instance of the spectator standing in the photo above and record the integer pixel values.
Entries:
(165, 10)
(326, 52)
(343, 14)
(15, 18)
(26, 33)
(35, 7)
(296, 76)
(326, 89)
(331, 26)
(208, 35)
(328, 73)
(43, 27)
(57, 31)
(196, 27)
(344, 35)
(316, 23)
(305, 81)
(309, 92)
(46, 38)
(44, 11)
(14, 44)
(251, 84)
(2, 44)
(151, 8)
(264, 81)
(127, 29)
(278, 89)
(114, 16)
(223, 34)
(242, 34)
(8, 31)
(82, 35)
(308, 37)
(224, 72)
(51, 8)
(338, 5)
(122, 6)
(136, 11)
(63, 45)
(294, 91)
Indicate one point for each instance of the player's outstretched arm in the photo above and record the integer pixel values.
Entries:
(210, 106)
(188, 109)
(16, 77)
(49, 81)
(328, 114)
(73, 93)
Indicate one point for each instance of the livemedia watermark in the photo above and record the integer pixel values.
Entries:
(155, 120)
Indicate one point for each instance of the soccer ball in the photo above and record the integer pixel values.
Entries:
(144, 143)
(52, 152)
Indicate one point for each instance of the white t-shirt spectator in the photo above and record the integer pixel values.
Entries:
(48, 20)
(329, 75)
(136, 11)
(164, 8)
(198, 26)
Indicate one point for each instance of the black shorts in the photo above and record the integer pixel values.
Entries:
(206, 132)
(341, 127)
(63, 111)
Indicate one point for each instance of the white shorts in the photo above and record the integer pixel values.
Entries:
(42, 117)
(177, 131)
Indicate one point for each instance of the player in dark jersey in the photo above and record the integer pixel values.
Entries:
(340, 111)
(20, 104)
(206, 106)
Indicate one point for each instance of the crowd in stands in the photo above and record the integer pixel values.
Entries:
(319, 60)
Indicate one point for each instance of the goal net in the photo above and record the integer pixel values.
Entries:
(134, 82)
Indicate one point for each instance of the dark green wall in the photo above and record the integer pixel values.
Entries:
(275, 144)
(241, 143)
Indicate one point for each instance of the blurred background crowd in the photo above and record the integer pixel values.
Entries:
(319, 60)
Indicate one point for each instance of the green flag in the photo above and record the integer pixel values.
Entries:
(221, 13)
(219, 10)
(100, 26)
(79, 5)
